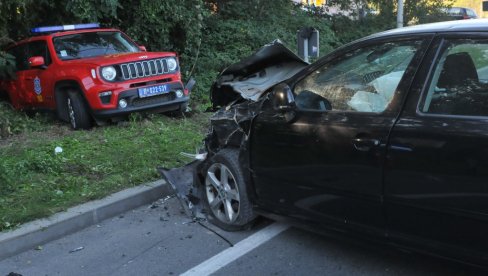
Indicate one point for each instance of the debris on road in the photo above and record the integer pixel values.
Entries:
(181, 180)
(77, 249)
(160, 202)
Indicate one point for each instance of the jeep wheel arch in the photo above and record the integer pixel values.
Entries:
(70, 98)
(61, 95)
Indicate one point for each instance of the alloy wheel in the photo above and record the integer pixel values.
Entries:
(222, 193)
(71, 113)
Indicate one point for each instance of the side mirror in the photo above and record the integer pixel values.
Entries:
(142, 48)
(282, 98)
(36, 61)
(283, 101)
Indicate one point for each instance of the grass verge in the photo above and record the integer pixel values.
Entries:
(36, 182)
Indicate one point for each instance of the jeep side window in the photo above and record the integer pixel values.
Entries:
(20, 53)
(459, 84)
(39, 48)
(363, 80)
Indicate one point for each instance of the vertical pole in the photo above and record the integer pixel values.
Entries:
(400, 14)
(305, 49)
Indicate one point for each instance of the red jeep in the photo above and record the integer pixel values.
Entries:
(86, 73)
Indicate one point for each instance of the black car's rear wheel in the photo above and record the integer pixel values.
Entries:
(225, 192)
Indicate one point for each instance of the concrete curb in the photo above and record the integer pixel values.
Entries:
(41, 231)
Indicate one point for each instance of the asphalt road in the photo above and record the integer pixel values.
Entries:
(161, 240)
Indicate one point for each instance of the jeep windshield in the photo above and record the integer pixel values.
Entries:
(92, 44)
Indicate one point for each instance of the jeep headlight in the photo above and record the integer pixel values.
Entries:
(172, 64)
(109, 73)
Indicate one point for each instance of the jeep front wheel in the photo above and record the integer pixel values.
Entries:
(77, 114)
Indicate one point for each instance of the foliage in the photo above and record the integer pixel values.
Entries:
(16, 122)
(370, 24)
(7, 65)
(166, 25)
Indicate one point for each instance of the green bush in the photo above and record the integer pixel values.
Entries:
(16, 122)
(7, 65)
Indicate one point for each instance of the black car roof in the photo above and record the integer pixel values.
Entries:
(472, 25)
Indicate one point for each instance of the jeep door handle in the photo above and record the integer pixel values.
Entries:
(365, 144)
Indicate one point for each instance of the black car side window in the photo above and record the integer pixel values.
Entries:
(364, 80)
(459, 84)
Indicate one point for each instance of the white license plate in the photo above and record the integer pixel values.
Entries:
(153, 90)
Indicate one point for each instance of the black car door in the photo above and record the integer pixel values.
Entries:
(436, 176)
(327, 162)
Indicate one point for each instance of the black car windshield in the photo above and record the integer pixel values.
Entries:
(92, 44)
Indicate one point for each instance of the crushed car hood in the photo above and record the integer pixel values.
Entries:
(252, 76)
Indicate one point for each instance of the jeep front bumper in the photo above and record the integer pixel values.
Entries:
(168, 101)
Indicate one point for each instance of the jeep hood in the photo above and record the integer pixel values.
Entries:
(252, 76)
(119, 58)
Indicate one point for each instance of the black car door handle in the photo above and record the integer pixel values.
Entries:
(365, 144)
(406, 148)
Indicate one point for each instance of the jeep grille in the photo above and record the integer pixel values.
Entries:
(146, 68)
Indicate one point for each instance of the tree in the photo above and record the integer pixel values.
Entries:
(249, 9)
(415, 11)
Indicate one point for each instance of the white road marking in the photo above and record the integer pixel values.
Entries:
(238, 250)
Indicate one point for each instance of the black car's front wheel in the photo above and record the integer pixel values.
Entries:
(225, 192)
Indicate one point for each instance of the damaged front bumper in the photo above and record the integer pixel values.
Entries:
(184, 180)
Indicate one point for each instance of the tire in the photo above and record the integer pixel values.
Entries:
(183, 108)
(77, 113)
(180, 112)
(225, 194)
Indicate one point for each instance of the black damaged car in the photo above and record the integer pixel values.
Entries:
(386, 137)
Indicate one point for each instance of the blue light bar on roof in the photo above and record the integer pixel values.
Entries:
(50, 29)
